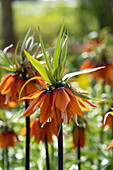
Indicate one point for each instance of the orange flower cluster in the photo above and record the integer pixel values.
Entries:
(3, 104)
(40, 132)
(7, 139)
(12, 84)
(58, 103)
(106, 73)
(78, 136)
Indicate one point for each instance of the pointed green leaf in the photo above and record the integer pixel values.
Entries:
(58, 70)
(15, 116)
(56, 54)
(33, 78)
(81, 95)
(15, 53)
(9, 68)
(23, 44)
(44, 52)
(2, 115)
(42, 70)
(70, 75)
(65, 56)
(8, 60)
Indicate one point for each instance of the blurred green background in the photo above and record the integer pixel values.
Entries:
(80, 17)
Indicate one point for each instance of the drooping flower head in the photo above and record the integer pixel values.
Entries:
(106, 73)
(21, 72)
(98, 55)
(78, 136)
(39, 131)
(58, 103)
(59, 100)
(78, 133)
(4, 105)
(8, 139)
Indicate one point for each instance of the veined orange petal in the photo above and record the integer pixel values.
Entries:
(14, 96)
(23, 131)
(37, 127)
(7, 85)
(69, 91)
(34, 95)
(32, 128)
(36, 102)
(54, 97)
(56, 114)
(62, 100)
(75, 134)
(31, 88)
(11, 104)
(75, 107)
(81, 137)
(4, 81)
(82, 104)
(91, 104)
(45, 109)
(110, 145)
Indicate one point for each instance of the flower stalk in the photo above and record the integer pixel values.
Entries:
(60, 148)
(47, 154)
(7, 159)
(27, 159)
(79, 154)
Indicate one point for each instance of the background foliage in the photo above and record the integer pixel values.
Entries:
(80, 18)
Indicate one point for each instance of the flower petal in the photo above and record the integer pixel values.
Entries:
(45, 109)
(82, 104)
(34, 95)
(62, 100)
(110, 145)
(36, 102)
(74, 107)
(5, 87)
(56, 114)
(4, 81)
(91, 104)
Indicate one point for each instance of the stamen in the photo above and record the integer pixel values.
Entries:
(64, 117)
(75, 118)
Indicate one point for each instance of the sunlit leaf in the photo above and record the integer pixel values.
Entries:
(42, 70)
(2, 115)
(82, 96)
(33, 78)
(8, 60)
(9, 68)
(70, 75)
(23, 44)
(15, 116)
(65, 56)
(44, 52)
(15, 54)
(56, 54)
